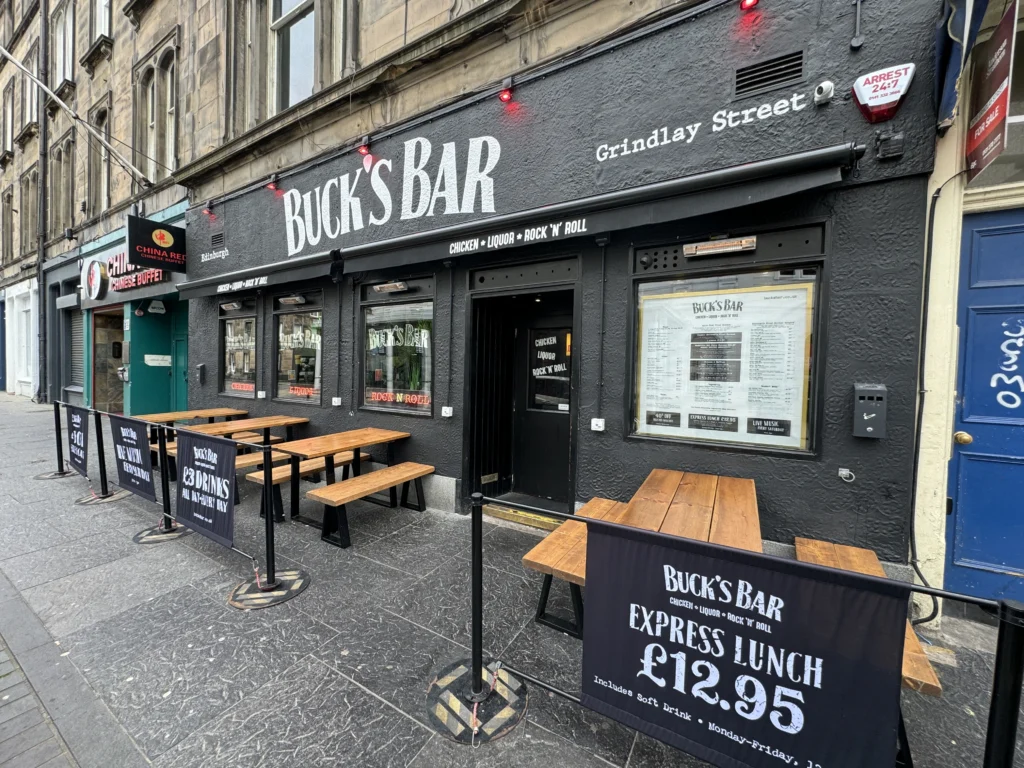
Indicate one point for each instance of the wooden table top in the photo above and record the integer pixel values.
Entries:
(203, 413)
(324, 445)
(246, 425)
(722, 510)
(918, 673)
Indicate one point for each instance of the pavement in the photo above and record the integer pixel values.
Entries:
(121, 654)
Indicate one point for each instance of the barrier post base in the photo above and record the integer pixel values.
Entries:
(466, 722)
(159, 534)
(252, 594)
(54, 475)
(87, 501)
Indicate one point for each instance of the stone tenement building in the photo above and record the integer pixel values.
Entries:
(206, 98)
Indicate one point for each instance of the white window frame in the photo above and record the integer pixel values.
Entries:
(29, 91)
(275, 97)
(100, 18)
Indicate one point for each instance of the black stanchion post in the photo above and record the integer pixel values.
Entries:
(100, 457)
(477, 691)
(165, 480)
(268, 507)
(60, 445)
(1004, 711)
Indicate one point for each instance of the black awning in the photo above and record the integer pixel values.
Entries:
(672, 200)
(287, 271)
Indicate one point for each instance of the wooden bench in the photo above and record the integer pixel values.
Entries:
(334, 497)
(283, 474)
(918, 673)
(722, 510)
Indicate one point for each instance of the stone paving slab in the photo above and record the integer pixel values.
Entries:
(133, 654)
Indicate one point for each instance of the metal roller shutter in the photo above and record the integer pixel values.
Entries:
(77, 349)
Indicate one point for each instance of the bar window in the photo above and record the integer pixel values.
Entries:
(299, 342)
(398, 359)
(238, 342)
(727, 358)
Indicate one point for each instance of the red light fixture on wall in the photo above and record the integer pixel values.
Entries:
(364, 146)
(748, 5)
(505, 94)
(272, 184)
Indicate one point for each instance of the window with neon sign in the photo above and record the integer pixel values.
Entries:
(398, 363)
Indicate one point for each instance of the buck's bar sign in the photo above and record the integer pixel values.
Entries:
(132, 452)
(206, 485)
(740, 659)
(78, 440)
(155, 245)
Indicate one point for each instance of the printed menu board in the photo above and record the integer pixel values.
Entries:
(728, 365)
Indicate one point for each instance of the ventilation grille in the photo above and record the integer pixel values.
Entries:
(770, 74)
(217, 240)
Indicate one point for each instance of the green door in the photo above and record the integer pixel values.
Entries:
(179, 373)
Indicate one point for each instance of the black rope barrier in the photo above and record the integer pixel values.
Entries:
(1004, 709)
(161, 432)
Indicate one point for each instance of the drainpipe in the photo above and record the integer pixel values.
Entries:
(44, 76)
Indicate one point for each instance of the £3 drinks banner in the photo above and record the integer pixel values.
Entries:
(742, 660)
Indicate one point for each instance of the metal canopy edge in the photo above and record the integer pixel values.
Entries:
(286, 271)
(671, 200)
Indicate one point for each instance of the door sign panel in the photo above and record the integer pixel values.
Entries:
(994, 384)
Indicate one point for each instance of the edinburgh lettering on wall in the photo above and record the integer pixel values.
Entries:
(739, 659)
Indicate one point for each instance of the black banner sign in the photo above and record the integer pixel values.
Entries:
(78, 440)
(206, 485)
(131, 452)
(741, 660)
(155, 245)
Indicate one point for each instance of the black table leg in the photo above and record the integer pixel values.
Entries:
(289, 433)
(295, 486)
(266, 436)
(329, 469)
(393, 490)
(355, 462)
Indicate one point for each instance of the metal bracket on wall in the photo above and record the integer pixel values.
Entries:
(857, 40)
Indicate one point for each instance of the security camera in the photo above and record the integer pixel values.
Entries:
(824, 92)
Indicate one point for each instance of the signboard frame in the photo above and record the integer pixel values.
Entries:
(206, 485)
(132, 456)
(650, 595)
(78, 451)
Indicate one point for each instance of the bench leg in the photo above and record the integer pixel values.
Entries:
(344, 472)
(421, 502)
(571, 628)
(295, 486)
(335, 529)
(903, 757)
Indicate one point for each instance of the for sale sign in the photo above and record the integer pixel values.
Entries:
(78, 440)
(990, 95)
(740, 659)
(132, 455)
(206, 485)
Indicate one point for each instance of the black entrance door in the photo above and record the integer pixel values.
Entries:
(543, 374)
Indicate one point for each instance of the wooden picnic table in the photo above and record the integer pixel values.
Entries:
(326, 446)
(259, 424)
(722, 510)
(201, 413)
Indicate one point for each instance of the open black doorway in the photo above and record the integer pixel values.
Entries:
(521, 397)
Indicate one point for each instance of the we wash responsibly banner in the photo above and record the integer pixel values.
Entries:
(78, 440)
(132, 456)
(206, 485)
(741, 660)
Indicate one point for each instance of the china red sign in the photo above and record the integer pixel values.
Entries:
(990, 95)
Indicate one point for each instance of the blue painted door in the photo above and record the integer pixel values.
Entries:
(985, 533)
